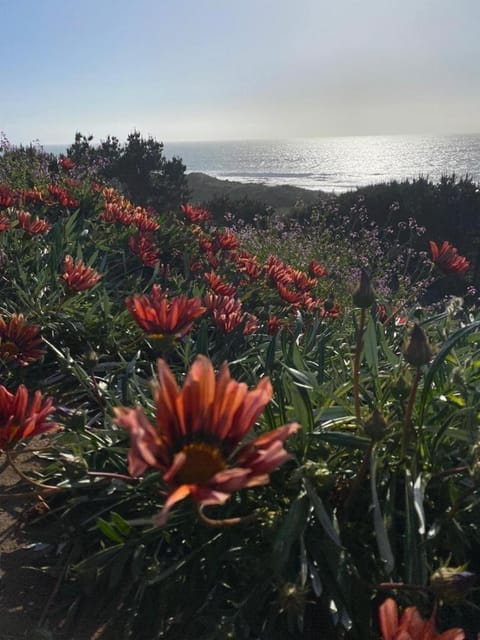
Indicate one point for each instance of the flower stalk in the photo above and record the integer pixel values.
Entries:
(356, 363)
(34, 483)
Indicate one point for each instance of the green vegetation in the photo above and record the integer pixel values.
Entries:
(379, 496)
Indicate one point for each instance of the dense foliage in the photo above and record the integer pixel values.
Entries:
(138, 165)
(380, 494)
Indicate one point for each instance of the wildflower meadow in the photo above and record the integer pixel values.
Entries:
(261, 429)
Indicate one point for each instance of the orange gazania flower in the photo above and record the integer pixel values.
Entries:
(67, 164)
(411, 626)
(277, 271)
(145, 247)
(195, 214)
(30, 196)
(274, 325)
(118, 211)
(227, 312)
(292, 297)
(19, 342)
(249, 265)
(227, 241)
(6, 196)
(78, 276)
(302, 281)
(218, 286)
(161, 317)
(197, 436)
(4, 223)
(316, 269)
(144, 221)
(22, 417)
(34, 226)
(447, 259)
(61, 195)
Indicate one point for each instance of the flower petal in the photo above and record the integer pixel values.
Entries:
(388, 619)
(179, 494)
(145, 444)
(198, 394)
(252, 406)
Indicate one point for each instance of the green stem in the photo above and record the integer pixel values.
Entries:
(225, 522)
(111, 475)
(407, 424)
(31, 481)
(356, 364)
(357, 482)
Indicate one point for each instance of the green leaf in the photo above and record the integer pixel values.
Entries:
(109, 531)
(381, 534)
(440, 358)
(120, 524)
(322, 514)
(341, 439)
(414, 554)
(370, 351)
(290, 531)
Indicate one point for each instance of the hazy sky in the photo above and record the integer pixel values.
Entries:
(228, 69)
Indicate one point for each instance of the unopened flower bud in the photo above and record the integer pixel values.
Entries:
(417, 351)
(451, 584)
(376, 426)
(364, 295)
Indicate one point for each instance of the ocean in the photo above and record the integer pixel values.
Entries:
(335, 164)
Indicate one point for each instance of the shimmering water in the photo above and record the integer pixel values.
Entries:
(334, 164)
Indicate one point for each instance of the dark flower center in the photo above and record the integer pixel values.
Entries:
(202, 462)
(8, 349)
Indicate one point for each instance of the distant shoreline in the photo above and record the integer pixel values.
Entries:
(204, 187)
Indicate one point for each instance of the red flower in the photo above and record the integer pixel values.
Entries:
(249, 265)
(66, 163)
(205, 243)
(62, 196)
(302, 281)
(330, 309)
(4, 223)
(6, 196)
(217, 285)
(227, 312)
(292, 297)
(277, 271)
(31, 196)
(197, 432)
(33, 227)
(195, 214)
(411, 626)
(144, 221)
(227, 241)
(274, 325)
(21, 417)
(116, 212)
(160, 317)
(19, 342)
(447, 259)
(316, 270)
(213, 261)
(250, 324)
(78, 276)
(146, 248)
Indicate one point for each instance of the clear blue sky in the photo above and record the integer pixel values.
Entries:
(228, 69)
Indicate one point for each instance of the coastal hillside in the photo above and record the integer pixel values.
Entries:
(205, 188)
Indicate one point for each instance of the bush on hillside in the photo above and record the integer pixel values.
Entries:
(138, 166)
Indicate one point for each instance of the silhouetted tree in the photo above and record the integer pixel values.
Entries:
(138, 165)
